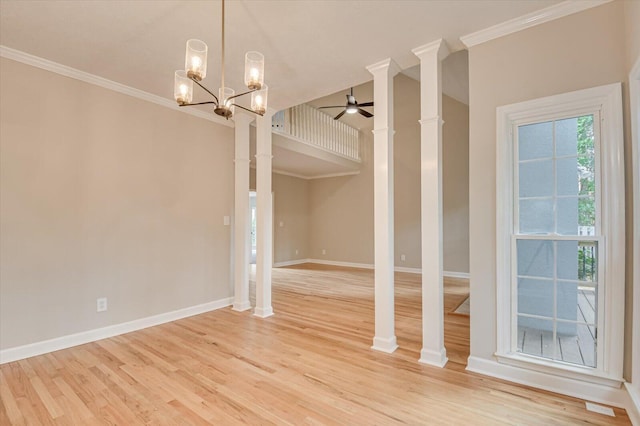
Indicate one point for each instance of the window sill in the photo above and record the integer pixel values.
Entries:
(585, 374)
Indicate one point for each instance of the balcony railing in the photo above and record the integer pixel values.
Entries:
(314, 127)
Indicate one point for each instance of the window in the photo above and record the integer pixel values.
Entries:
(560, 235)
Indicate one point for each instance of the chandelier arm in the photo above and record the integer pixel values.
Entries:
(200, 103)
(206, 90)
(241, 94)
(247, 109)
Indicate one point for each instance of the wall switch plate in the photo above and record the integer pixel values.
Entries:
(101, 304)
(403, 257)
(225, 220)
(281, 224)
(296, 251)
(324, 251)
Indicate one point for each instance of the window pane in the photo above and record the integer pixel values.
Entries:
(535, 297)
(567, 305)
(536, 179)
(587, 261)
(587, 343)
(586, 212)
(536, 216)
(586, 139)
(535, 258)
(567, 260)
(567, 214)
(535, 141)
(567, 176)
(535, 337)
(567, 137)
(586, 175)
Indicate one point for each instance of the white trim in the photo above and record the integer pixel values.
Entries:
(385, 345)
(550, 382)
(451, 274)
(263, 312)
(331, 175)
(529, 20)
(436, 359)
(608, 100)
(407, 270)
(54, 67)
(633, 407)
(339, 263)
(290, 263)
(634, 95)
(64, 342)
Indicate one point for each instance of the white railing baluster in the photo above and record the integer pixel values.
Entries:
(318, 128)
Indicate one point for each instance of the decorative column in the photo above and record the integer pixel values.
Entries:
(264, 216)
(241, 213)
(430, 55)
(383, 73)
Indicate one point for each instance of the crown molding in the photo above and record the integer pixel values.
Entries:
(438, 46)
(47, 65)
(384, 65)
(529, 20)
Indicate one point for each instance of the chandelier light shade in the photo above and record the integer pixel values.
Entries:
(183, 88)
(259, 100)
(195, 62)
(195, 70)
(254, 70)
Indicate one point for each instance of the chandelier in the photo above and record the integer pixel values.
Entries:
(196, 70)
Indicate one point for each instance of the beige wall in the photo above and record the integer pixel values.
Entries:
(455, 185)
(291, 218)
(341, 213)
(576, 52)
(632, 28)
(105, 195)
(341, 209)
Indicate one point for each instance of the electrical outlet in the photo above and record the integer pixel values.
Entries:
(101, 304)
(403, 257)
(324, 251)
(226, 221)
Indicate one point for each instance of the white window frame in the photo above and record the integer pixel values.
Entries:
(605, 101)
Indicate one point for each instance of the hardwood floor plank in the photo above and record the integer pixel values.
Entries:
(311, 363)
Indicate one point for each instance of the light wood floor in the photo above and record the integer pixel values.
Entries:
(311, 363)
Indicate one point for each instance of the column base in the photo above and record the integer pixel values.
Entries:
(241, 306)
(263, 312)
(435, 358)
(387, 345)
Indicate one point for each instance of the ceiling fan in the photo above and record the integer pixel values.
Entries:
(352, 107)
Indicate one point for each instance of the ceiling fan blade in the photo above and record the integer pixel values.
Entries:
(366, 104)
(365, 113)
(339, 115)
(334, 106)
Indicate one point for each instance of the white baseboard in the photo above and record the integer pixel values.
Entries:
(338, 263)
(633, 408)
(450, 274)
(386, 345)
(434, 358)
(408, 270)
(263, 312)
(617, 397)
(64, 342)
(290, 263)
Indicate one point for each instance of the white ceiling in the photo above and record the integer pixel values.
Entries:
(312, 48)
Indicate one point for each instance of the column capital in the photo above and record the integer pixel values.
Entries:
(388, 65)
(438, 47)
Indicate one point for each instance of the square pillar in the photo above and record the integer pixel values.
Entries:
(241, 212)
(383, 73)
(431, 55)
(264, 216)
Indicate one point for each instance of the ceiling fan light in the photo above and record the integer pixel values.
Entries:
(259, 100)
(183, 88)
(195, 61)
(352, 109)
(254, 70)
